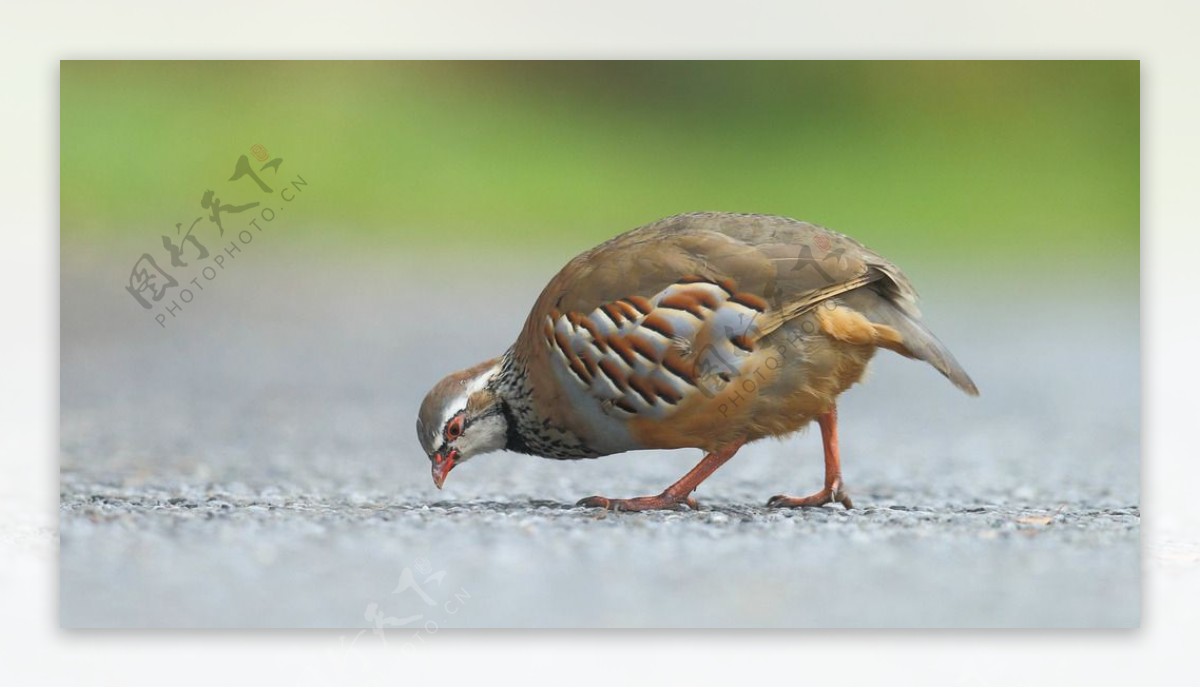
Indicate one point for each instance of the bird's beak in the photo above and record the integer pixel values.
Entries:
(442, 466)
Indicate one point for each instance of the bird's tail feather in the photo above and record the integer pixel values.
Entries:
(914, 340)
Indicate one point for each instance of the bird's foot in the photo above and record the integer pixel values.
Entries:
(662, 501)
(836, 493)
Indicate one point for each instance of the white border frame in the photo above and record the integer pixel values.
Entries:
(34, 36)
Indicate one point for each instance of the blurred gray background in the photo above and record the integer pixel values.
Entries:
(255, 464)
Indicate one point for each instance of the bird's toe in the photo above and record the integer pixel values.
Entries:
(814, 500)
(662, 501)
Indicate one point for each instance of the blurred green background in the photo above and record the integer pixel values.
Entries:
(968, 163)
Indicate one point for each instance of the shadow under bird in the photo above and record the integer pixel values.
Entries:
(705, 330)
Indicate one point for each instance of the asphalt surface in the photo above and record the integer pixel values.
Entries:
(254, 464)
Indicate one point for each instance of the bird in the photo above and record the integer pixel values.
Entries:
(706, 330)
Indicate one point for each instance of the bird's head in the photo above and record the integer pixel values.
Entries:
(461, 417)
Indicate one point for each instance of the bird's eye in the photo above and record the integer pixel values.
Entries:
(454, 428)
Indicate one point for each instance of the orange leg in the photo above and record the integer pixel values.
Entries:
(674, 496)
(833, 491)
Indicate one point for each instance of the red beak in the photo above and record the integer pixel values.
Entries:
(442, 466)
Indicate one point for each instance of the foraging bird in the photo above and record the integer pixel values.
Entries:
(705, 330)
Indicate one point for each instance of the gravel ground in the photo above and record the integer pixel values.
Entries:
(254, 464)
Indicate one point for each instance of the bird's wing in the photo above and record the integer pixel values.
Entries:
(640, 357)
